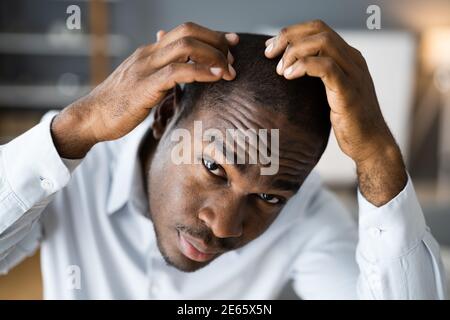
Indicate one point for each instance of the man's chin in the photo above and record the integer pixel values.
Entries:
(175, 258)
(184, 264)
(172, 252)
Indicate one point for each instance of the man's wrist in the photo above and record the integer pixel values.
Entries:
(382, 176)
(71, 132)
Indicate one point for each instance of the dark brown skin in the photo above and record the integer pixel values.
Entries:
(219, 207)
(314, 49)
(222, 208)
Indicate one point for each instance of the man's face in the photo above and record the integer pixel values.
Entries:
(202, 210)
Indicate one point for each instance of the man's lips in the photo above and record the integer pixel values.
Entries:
(193, 250)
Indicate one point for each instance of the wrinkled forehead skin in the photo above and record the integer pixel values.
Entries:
(245, 128)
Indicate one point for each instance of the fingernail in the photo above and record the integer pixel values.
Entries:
(159, 35)
(231, 37)
(230, 58)
(288, 71)
(268, 41)
(215, 71)
(231, 70)
(280, 66)
(269, 48)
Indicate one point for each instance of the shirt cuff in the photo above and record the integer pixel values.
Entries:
(392, 230)
(33, 168)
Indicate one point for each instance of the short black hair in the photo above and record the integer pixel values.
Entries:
(302, 100)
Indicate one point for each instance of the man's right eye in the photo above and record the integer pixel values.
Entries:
(213, 167)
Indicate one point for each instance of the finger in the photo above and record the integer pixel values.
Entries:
(324, 44)
(216, 39)
(174, 73)
(276, 45)
(325, 68)
(160, 34)
(357, 57)
(268, 41)
(232, 38)
(190, 49)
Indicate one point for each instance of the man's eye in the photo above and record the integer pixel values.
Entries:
(269, 198)
(212, 166)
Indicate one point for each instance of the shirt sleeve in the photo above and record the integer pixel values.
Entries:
(31, 171)
(390, 254)
(398, 258)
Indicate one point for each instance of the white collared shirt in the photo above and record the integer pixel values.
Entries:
(97, 243)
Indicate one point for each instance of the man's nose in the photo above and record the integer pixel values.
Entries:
(224, 216)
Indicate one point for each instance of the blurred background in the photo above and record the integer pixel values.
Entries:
(46, 65)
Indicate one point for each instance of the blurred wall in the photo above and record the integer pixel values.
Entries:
(137, 21)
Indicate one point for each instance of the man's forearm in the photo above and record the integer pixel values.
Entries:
(70, 132)
(382, 176)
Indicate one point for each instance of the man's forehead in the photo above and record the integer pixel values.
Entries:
(292, 139)
(296, 154)
(240, 110)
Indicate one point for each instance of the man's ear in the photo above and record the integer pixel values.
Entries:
(165, 111)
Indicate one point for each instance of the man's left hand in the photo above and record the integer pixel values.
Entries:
(314, 49)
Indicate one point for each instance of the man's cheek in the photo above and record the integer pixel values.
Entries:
(184, 195)
(259, 224)
(191, 181)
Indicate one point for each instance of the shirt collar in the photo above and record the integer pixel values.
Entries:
(126, 170)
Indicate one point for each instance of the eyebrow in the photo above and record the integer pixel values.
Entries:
(241, 167)
(280, 184)
(286, 185)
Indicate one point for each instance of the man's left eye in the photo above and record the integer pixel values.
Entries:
(269, 198)
(212, 167)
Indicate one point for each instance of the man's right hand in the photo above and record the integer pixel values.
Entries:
(188, 53)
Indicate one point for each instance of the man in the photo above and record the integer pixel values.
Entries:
(130, 222)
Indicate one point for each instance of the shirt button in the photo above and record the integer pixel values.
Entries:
(375, 232)
(46, 184)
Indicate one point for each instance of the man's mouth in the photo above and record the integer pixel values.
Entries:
(193, 248)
